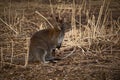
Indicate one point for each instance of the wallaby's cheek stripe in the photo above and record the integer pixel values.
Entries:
(60, 39)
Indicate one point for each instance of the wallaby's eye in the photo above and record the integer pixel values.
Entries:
(53, 50)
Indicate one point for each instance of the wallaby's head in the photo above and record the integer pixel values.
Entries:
(62, 22)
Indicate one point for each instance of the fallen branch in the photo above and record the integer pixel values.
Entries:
(69, 53)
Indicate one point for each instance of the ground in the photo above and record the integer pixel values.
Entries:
(79, 66)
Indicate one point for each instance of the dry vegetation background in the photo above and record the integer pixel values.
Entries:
(94, 41)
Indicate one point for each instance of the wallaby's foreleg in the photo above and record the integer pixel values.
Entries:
(50, 56)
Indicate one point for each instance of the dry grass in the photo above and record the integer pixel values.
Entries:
(100, 33)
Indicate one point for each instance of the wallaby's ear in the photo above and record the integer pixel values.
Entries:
(58, 19)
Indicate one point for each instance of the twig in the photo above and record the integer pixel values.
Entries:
(12, 42)
(27, 55)
(100, 13)
(44, 18)
(2, 56)
(9, 26)
(83, 51)
(69, 53)
(51, 7)
(110, 50)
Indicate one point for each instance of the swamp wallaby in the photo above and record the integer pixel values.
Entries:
(44, 42)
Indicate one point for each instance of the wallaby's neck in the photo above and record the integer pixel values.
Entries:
(63, 26)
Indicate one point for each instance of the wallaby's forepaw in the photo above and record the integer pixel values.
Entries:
(55, 60)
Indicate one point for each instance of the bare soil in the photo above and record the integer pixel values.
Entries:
(78, 66)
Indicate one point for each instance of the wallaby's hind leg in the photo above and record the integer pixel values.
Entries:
(32, 56)
(40, 55)
(36, 54)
